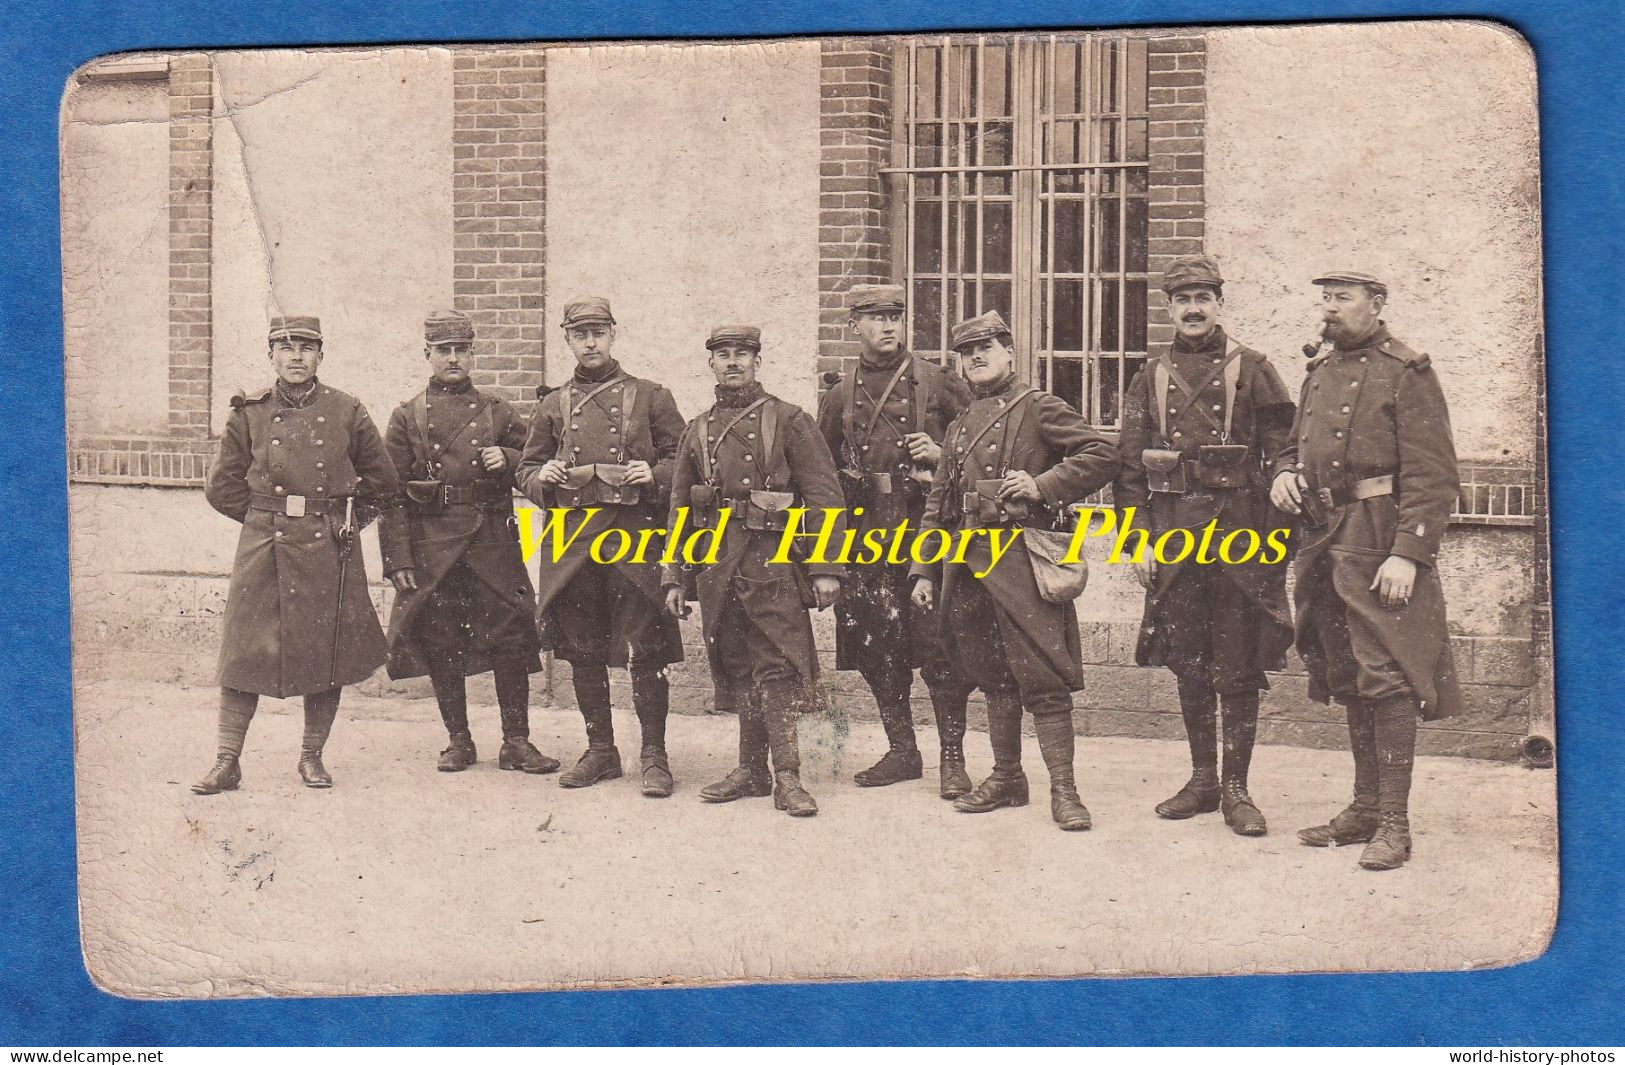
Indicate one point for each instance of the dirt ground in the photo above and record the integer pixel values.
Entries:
(402, 879)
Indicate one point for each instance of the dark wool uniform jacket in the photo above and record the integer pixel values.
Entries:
(289, 629)
(1069, 460)
(438, 436)
(1372, 409)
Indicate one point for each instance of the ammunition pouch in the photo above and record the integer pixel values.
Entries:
(768, 511)
(984, 507)
(1164, 470)
(1222, 465)
(598, 482)
(425, 497)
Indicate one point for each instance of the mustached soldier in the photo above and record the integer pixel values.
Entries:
(467, 605)
(885, 421)
(302, 467)
(1200, 426)
(1371, 466)
(605, 441)
(757, 456)
(1015, 457)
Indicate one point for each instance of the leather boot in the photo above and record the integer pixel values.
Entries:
(597, 763)
(1066, 808)
(459, 756)
(1357, 823)
(1052, 721)
(321, 708)
(1390, 847)
(1001, 789)
(790, 796)
(1200, 795)
(948, 704)
(512, 675)
(743, 782)
(312, 772)
(519, 753)
(657, 780)
(225, 776)
(1240, 813)
(902, 759)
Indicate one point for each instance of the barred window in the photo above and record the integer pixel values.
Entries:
(1019, 185)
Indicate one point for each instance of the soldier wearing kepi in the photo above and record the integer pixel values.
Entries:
(885, 422)
(1016, 457)
(605, 441)
(467, 605)
(757, 457)
(303, 468)
(1371, 467)
(1201, 425)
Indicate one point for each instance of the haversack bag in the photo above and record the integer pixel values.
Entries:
(1058, 582)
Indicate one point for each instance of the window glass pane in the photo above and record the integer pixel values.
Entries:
(1071, 256)
(1066, 381)
(1066, 79)
(995, 297)
(970, 78)
(1068, 316)
(926, 76)
(1137, 233)
(965, 238)
(1107, 234)
(1136, 76)
(1108, 316)
(1108, 373)
(996, 138)
(927, 315)
(1136, 180)
(1110, 141)
(928, 144)
(927, 236)
(1134, 311)
(996, 244)
(996, 69)
(1136, 140)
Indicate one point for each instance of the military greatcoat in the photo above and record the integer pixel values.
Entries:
(461, 515)
(284, 471)
(1260, 419)
(590, 424)
(757, 442)
(1371, 409)
(1069, 461)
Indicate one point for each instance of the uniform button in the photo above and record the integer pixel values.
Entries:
(1309, 410)
(1213, 432)
(613, 429)
(1300, 465)
(279, 489)
(319, 491)
(276, 443)
(1315, 387)
(865, 447)
(744, 480)
(750, 436)
(1354, 384)
(1178, 433)
(575, 426)
(429, 425)
(1338, 433)
(960, 450)
(1345, 408)
(576, 449)
(319, 466)
(437, 447)
(712, 439)
(1173, 410)
(471, 406)
(277, 418)
(473, 462)
(1216, 406)
(318, 443)
(320, 418)
(1001, 402)
(990, 469)
(749, 459)
(279, 532)
(318, 534)
(1335, 464)
(1362, 358)
(476, 443)
(615, 410)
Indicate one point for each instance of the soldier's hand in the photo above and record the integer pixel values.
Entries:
(1020, 485)
(826, 590)
(1145, 572)
(1396, 577)
(676, 603)
(1287, 491)
(404, 579)
(924, 595)
(493, 458)
(922, 449)
(639, 472)
(553, 471)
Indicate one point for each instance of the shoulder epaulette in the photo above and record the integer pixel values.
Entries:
(543, 391)
(241, 398)
(1398, 350)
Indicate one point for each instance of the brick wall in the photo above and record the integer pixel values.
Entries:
(1175, 81)
(854, 242)
(499, 210)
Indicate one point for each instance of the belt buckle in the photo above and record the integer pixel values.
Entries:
(295, 507)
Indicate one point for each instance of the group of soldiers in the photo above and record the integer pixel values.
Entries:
(1363, 465)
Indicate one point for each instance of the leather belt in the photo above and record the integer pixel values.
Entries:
(294, 506)
(476, 493)
(1369, 488)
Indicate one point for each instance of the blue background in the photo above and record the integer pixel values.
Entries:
(1574, 995)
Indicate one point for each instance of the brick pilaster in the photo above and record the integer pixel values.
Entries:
(854, 243)
(191, 193)
(499, 179)
(1176, 84)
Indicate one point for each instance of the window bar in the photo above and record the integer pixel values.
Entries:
(1122, 228)
(1091, 265)
(946, 86)
(981, 157)
(1047, 204)
(910, 124)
